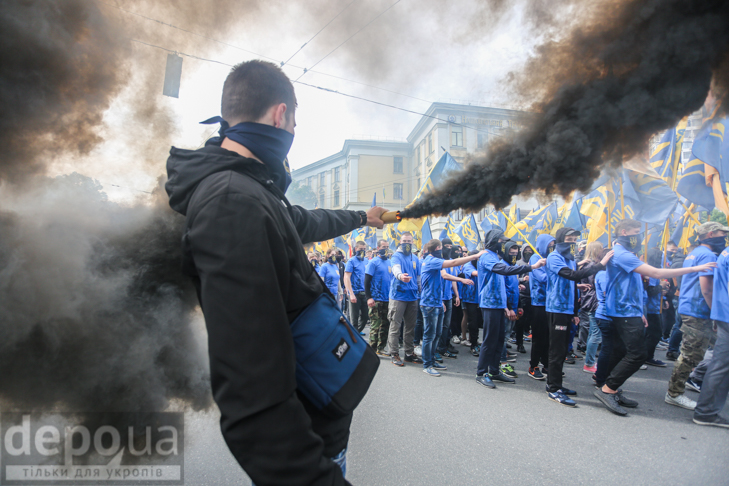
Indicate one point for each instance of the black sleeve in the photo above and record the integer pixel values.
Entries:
(233, 242)
(577, 275)
(368, 285)
(653, 290)
(503, 269)
(323, 224)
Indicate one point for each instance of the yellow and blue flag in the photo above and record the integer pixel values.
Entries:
(450, 231)
(666, 157)
(713, 150)
(467, 231)
(493, 220)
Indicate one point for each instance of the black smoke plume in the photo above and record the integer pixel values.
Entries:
(636, 67)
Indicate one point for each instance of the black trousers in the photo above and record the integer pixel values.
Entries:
(456, 318)
(475, 322)
(628, 350)
(559, 339)
(358, 311)
(652, 334)
(540, 337)
(523, 323)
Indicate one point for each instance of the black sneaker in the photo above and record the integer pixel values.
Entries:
(569, 360)
(521, 349)
(485, 381)
(452, 349)
(716, 421)
(535, 373)
(396, 360)
(610, 400)
(474, 352)
(411, 358)
(671, 356)
(508, 346)
(448, 354)
(625, 401)
(693, 385)
(574, 356)
(502, 378)
(568, 392)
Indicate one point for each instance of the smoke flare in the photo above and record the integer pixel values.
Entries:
(638, 68)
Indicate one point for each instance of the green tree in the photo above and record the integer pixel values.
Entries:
(717, 216)
(301, 194)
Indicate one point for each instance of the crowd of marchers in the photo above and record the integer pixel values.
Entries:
(613, 308)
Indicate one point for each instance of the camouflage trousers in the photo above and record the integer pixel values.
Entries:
(697, 335)
(379, 326)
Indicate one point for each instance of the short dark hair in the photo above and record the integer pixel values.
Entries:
(626, 224)
(379, 242)
(360, 244)
(432, 245)
(253, 87)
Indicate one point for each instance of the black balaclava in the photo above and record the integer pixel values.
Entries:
(447, 251)
(491, 241)
(510, 259)
(567, 250)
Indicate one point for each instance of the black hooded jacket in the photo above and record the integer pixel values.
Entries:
(491, 242)
(243, 248)
(579, 274)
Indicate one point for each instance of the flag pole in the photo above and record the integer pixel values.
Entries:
(645, 244)
(622, 199)
(691, 215)
(522, 235)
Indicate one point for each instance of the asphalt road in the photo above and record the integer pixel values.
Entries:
(414, 429)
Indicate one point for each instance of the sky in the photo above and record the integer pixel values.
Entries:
(423, 50)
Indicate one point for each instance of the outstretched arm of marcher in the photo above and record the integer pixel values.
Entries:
(323, 224)
(235, 246)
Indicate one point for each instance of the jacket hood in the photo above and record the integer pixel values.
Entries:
(543, 242)
(187, 168)
(492, 238)
(563, 232)
(655, 258)
(509, 245)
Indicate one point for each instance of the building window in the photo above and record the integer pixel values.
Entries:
(397, 191)
(321, 200)
(308, 181)
(336, 174)
(397, 165)
(322, 178)
(430, 143)
(336, 199)
(457, 136)
(483, 139)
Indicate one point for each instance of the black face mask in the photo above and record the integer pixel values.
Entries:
(717, 243)
(550, 249)
(360, 254)
(670, 255)
(382, 252)
(437, 253)
(332, 259)
(527, 255)
(457, 254)
(406, 248)
(339, 258)
(631, 243)
(512, 259)
(567, 250)
(446, 253)
(581, 253)
(313, 263)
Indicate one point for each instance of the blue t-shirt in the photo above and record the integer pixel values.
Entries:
(357, 268)
(491, 286)
(538, 283)
(692, 302)
(432, 282)
(512, 291)
(448, 284)
(381, 272)
(330, 274)
(405, 291)
(560, 291)
(600, 286)
(653, 303)
(469, 293)
(720, 300)
(624, 291)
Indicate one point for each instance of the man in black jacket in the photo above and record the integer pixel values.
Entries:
(243, 249)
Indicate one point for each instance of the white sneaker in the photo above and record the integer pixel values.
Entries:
(681, 401)
(418, 351)
(456, 340)
(644, 367)
(466, 343)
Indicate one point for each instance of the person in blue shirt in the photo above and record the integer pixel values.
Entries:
(654, 288)
(624, 306)
(512, 302)
(715, 387)
(377, 290)
(694, 306)
(451, 300)
(540, 326)
(329, 272)
(431, 300)
(493, 304)
(314, 260)
(354, 273)
(562, 306)
(607, 331)
(469, 300)
(404, 295)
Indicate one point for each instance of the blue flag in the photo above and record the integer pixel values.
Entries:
(467, 231)
(494, 220)
(425, 232)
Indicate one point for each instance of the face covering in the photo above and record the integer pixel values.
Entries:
(269, 144)
(339, 259)
(512, 259)
(382, 252)
(446, 253)
(669, 255)
(717, 243)
(313, 263)
(332, 259)
(567, 250)
(550, 249)
(360, 254)
(527, 254)
(457, 254)
(437, 253)
(406, 248)
(631, 243)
